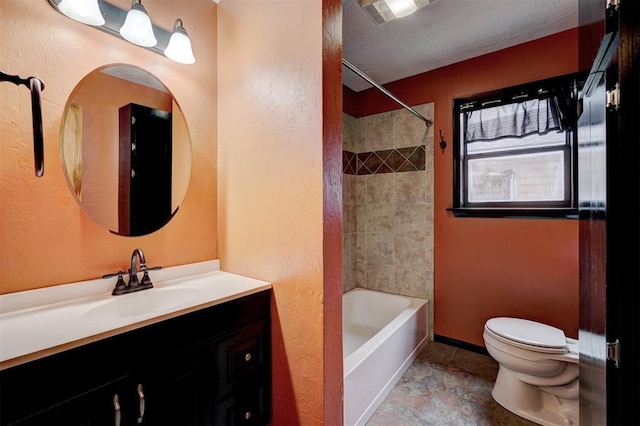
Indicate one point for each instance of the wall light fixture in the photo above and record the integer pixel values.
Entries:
(402, 8)
(134, 26)
(387, 10)
(179, 48)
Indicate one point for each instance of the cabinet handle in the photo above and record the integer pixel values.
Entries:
(116, 406)
(141, 396)
(247, 357)
(247, 415)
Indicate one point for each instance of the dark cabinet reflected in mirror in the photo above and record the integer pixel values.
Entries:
(144, 178)
(126, 150)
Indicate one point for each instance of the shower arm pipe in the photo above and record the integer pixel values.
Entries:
(369, 80)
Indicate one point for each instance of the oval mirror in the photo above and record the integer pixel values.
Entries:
(126, 150)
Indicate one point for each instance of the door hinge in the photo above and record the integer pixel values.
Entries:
(613, 352)
(613, 98)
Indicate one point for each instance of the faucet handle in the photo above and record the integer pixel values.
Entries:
(121, 286)
(115, 274)
(146, 281)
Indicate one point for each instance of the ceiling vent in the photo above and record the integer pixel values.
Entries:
(382, 11)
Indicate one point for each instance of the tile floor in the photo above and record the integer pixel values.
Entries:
(446, 385)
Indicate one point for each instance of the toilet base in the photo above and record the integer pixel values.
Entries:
(532, 403)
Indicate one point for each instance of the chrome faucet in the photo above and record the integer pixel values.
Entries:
(133, 285)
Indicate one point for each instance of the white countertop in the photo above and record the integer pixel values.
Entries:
(40, 322)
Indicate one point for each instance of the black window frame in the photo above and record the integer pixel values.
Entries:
(569, 84)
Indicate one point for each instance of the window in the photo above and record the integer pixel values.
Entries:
(515, 151)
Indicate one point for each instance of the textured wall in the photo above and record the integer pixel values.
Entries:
(279, 185)
(388, 205)
(490, 267)
(45, 238)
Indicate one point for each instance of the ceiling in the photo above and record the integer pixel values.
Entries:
(442, 33)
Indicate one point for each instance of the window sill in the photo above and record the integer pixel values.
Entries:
(515, 213)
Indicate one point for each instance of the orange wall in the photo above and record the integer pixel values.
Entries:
(280, 190)
(279, 187)
(493, 267)
(45, 238)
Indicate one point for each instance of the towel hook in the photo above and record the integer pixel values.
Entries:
(443, 143)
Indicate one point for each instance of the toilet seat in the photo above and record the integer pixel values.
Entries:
(527, 334)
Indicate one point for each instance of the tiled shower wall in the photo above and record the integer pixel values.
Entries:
(388, 203)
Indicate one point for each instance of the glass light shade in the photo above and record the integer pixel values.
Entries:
(179, 47)
(85, 11)
(402, 8)
(137, 27)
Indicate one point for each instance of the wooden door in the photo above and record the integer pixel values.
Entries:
(609, 195)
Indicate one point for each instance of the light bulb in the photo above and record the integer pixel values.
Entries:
(85, 11)
(137, 27)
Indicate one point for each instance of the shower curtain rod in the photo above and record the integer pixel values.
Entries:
(346, 63)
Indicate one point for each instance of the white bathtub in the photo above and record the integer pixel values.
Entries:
(382, 335)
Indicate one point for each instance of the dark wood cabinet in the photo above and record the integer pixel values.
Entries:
(207, 367)
(145, 169)
(242, 363)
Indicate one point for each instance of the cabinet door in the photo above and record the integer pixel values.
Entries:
(75, 387)
(170, 392)
(100, 406)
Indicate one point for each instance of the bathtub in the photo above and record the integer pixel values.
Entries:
(382, 335)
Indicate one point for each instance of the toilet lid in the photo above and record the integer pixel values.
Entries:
(528, 332)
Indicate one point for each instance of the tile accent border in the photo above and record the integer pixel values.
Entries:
(397, 160)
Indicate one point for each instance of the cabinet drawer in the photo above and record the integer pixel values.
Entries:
(241, 357)
(245, 406)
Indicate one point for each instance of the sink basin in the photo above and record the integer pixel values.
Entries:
(144, 302)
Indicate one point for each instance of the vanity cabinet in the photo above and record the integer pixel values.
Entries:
(210, 366)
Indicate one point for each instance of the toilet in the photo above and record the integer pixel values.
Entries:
(538, 370)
